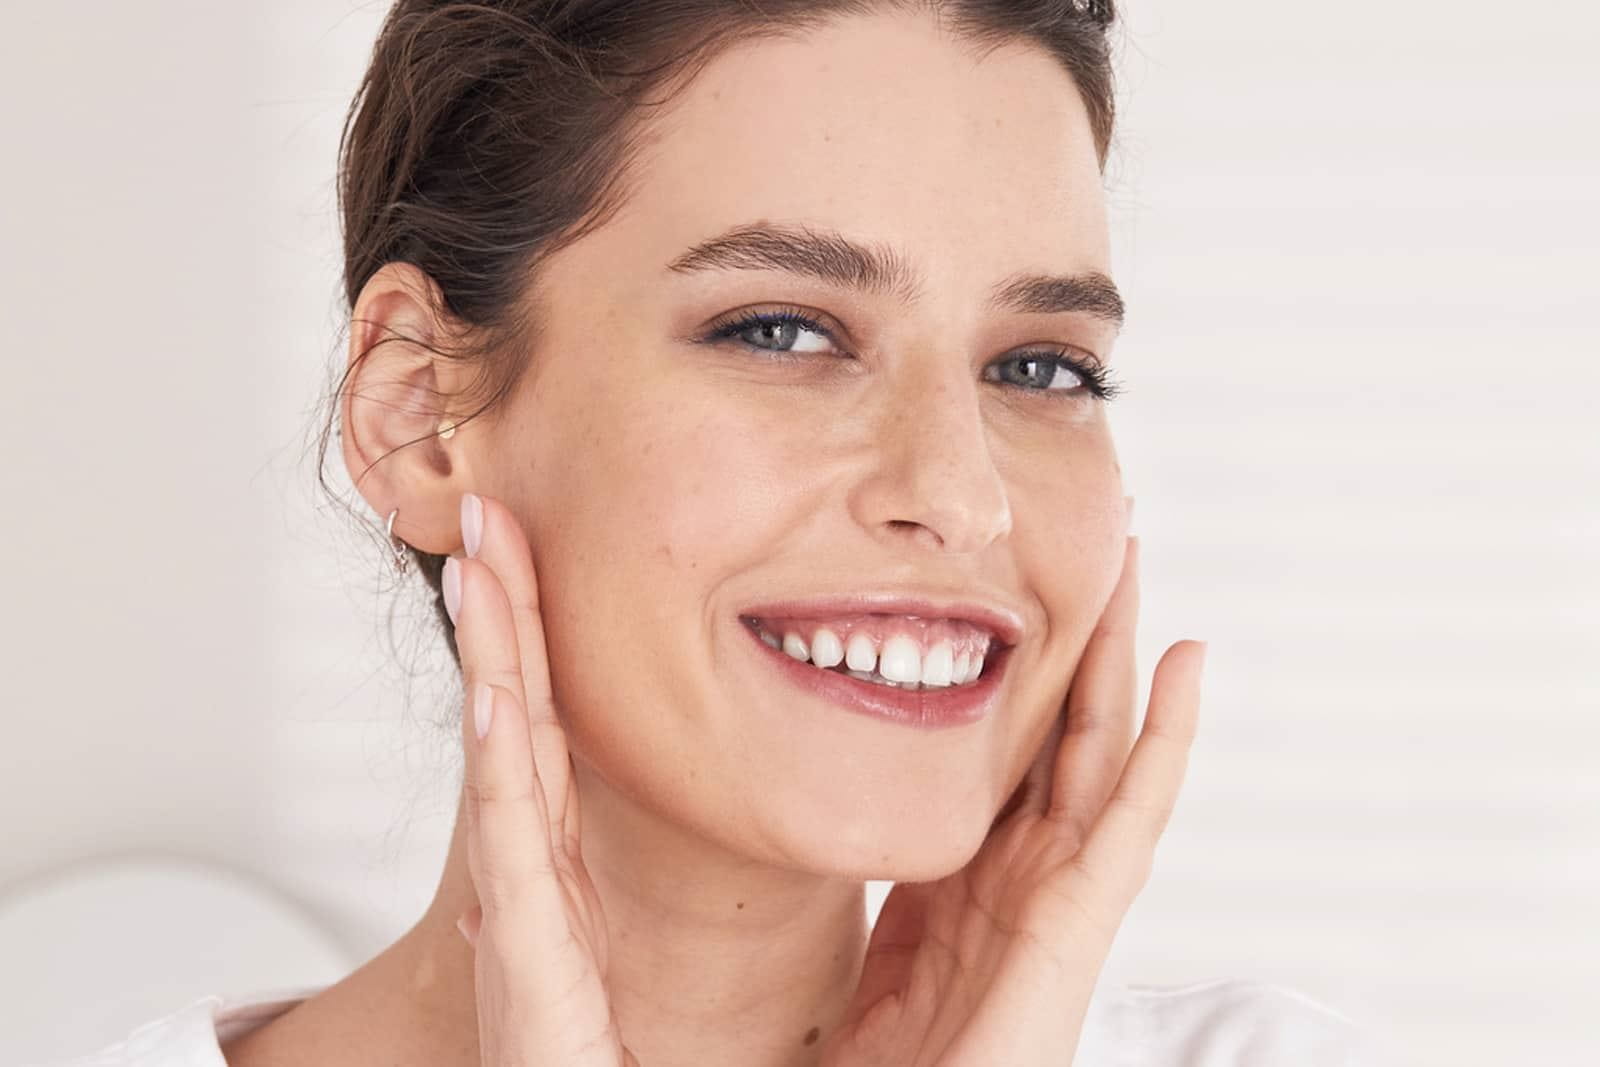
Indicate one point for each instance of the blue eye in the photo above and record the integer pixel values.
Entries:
(779, 334)
(1051, 367)
(774, 332)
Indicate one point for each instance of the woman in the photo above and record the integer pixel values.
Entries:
(737, 376)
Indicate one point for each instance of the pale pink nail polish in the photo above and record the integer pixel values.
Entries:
(482, 708)
(472, 523)
(451, 582)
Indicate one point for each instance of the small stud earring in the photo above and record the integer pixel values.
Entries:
(447, 430)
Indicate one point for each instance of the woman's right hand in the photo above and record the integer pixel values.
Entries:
(538, 930)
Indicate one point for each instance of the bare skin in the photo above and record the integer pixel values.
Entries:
(642, 487)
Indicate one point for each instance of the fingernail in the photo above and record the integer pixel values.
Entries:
(461, 924)
(452, 588)
(482, 708)
(472, 523)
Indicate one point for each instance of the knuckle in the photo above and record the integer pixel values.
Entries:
(493, 796)
(1089, 718)
(1153, 818)
(1176, 735)
(495, 892)
(502, 881)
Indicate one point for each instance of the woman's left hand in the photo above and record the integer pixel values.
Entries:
(995, 963)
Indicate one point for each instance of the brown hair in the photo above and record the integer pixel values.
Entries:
(486, 136)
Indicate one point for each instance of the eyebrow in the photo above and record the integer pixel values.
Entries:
(836, 259)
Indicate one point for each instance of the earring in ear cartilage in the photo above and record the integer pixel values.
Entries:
(402, 562)
(447, 430)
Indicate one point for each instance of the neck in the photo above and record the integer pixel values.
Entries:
(713, 958)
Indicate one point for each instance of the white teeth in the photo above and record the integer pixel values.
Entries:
(938, 667)
(826, 650)
(859, 655)
(900, 660)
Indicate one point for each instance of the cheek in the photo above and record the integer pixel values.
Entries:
(1068, 545)
(648, 506)
(1067, 528)
(674, 494)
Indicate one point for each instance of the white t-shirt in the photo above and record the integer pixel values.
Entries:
(1224, 1023)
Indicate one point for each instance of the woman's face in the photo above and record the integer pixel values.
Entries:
(667, 485)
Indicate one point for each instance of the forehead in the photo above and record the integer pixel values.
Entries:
(889, 128)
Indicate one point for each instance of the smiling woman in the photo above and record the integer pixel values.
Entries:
(737, 376)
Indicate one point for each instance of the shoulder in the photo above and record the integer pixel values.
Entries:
(1229, 1022)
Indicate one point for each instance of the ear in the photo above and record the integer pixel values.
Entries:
(396, 396)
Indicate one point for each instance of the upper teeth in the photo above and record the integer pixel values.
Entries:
(900, 660)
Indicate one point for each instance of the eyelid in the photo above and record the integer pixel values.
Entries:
(1059, 348)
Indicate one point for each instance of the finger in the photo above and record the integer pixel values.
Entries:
(1101, 709)
(508, 842)
(1120, 850)
(508, 848)
(504, 550)
(519, 922)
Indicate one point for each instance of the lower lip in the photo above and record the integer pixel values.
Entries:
(926, 708)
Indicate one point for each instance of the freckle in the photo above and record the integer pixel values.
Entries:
(812, 1035)
(741, 903)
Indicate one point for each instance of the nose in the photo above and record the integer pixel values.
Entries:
(936, 480)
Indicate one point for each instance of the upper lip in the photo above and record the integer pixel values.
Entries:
(990, 613)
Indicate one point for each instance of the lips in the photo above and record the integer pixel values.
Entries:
(941, 707)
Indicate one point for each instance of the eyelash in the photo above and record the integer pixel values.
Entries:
(1098, 381)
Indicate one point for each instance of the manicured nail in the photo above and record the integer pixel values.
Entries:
(482, 708)
(472, 523)
(451, 581)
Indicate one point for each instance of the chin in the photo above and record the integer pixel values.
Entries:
(913, 842)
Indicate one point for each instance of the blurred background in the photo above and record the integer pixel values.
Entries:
(1360, 253)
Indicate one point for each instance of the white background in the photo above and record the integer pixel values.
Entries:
(1359, 245)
